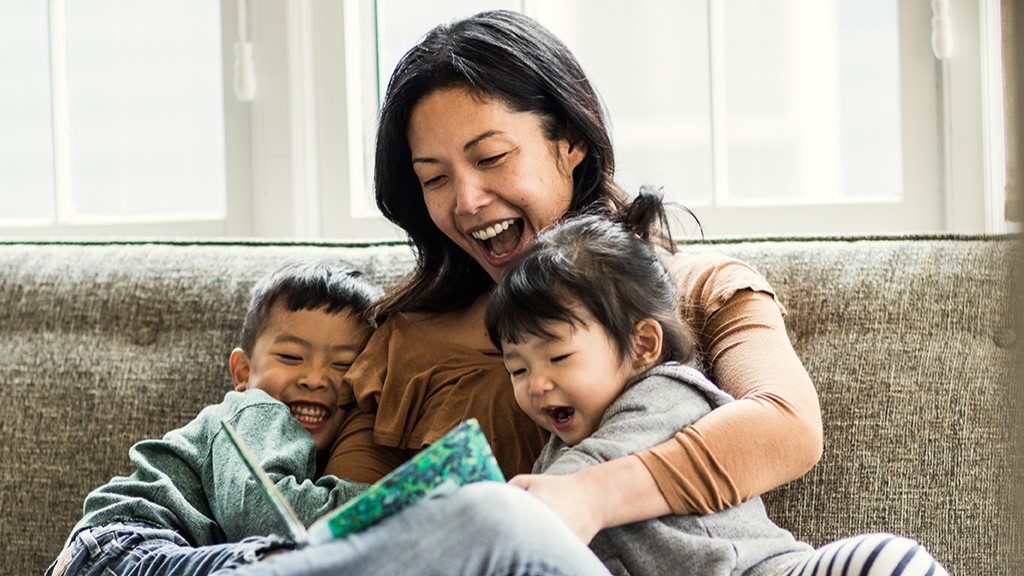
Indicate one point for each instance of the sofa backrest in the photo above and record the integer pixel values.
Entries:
(907, 339)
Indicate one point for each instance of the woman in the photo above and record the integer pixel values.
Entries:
(489, 132)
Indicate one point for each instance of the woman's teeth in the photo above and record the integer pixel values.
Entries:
(492, 231)
(502, 238)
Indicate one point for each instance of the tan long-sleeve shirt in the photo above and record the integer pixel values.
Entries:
(421, 374)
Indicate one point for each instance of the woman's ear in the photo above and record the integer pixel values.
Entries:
(574, 150)
(647, 340)
(238, 363)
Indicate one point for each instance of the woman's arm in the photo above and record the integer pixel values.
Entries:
(609, 494)
(771, 435)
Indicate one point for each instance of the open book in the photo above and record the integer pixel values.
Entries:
(461, 456)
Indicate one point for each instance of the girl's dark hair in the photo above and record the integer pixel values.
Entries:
(511, 58)
(331, 285)
(610, 268)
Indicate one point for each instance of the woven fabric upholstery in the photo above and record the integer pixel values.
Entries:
(909, 341)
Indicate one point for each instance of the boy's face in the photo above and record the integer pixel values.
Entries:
(300, 359)
(567, 382)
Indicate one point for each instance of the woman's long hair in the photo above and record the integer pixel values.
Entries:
(505, 56)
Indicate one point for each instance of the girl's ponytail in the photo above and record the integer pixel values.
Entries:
(645, 216)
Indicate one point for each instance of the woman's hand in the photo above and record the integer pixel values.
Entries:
(608, 494)
(570, 497)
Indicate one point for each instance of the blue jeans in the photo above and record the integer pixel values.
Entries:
(123, 549)
(480, 529)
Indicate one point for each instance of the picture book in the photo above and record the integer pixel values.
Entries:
(461, 456)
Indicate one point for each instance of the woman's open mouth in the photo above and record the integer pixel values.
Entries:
(502, 239)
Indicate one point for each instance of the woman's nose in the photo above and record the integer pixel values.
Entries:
(470, 195)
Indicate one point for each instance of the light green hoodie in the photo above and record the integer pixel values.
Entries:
(194, 481)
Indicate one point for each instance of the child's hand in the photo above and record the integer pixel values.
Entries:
(570, 497)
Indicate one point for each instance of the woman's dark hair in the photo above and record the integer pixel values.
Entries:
(331, 285)
(610, 268)
(511, 58)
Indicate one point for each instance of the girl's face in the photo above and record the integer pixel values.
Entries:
(490, 178)
(566, 382)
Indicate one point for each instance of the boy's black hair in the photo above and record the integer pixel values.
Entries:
(611, 269)
(331, 285)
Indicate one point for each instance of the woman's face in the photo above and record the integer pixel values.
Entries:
(490, 178)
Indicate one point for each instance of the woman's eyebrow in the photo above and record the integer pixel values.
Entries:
(469, 145)
(465, 148)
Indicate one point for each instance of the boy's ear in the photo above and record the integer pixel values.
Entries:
(647, 340)
(238, 363)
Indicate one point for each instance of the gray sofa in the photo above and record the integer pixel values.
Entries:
(909, 341)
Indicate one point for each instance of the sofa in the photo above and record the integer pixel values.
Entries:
(912, 342)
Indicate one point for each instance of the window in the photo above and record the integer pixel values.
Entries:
(773, 116)
(764, 116)
(116, 119)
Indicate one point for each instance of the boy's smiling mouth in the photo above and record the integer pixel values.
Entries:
(308, 414)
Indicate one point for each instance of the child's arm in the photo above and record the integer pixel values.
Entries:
(288, 454)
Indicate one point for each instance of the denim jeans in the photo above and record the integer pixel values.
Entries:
(487, 528)
(143, 550)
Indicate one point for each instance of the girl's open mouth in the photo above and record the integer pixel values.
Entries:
(560, 416)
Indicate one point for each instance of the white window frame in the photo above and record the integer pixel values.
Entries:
(238, 171)
(296, 154)
(951, 180)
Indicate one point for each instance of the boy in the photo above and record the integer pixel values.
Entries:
(190, 506)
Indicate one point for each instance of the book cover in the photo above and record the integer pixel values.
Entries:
(461, 456)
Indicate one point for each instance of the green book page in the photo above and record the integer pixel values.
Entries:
(462, 456)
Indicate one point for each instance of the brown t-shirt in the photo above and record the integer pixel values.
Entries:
(422, 374)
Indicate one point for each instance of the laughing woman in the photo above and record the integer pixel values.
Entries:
(489, 133)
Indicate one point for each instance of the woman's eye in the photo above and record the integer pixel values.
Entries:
(432, 182)
(491, 160)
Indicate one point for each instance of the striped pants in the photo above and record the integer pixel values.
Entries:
(870, 555)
